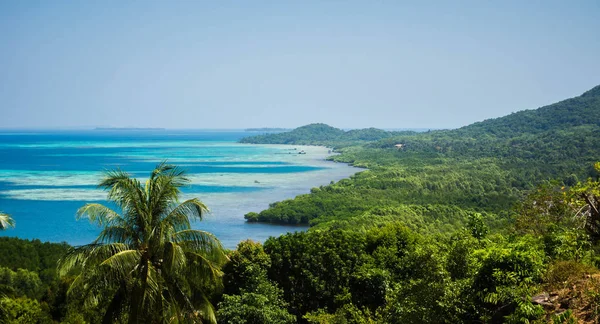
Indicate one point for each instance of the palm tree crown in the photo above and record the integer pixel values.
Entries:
(6, 221)
(147, 265)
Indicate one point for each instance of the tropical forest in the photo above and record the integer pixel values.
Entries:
(494, 222)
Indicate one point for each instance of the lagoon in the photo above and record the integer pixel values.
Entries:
(45, 176)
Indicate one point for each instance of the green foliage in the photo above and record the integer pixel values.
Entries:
(543, 208)
(562, 217)
(477, 227)
(344, 273)
(329, 260)
(460, 261)
(24, 311)
(525, 312)
(513, 263)
(564, 274)
(420, 289)
(390, 274)
(565, 317)
(28, 269)
(249, 295)
(263, 304)
(32, 255)
(21, 283)
(459, 185)
(347, 314)
(251, 217)
(505, 280)
(585, 198)
(567, 243)
(247, 267)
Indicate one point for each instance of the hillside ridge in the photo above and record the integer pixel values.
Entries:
(573, 112)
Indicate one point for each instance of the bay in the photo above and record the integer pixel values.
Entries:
(45, 176)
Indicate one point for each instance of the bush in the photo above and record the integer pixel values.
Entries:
(563, 274)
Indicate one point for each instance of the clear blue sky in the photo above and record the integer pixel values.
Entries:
(221, 64)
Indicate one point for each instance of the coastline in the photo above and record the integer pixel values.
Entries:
(314, 153)
(278, 187)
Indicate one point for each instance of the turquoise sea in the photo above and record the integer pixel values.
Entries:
(45, 176)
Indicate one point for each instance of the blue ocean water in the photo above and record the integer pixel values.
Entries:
(45, 176)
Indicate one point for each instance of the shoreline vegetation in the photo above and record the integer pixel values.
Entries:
(308, 151)
(487, 166)
(495, 222)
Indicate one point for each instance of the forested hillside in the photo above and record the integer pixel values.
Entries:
(493, 222)
(487, 166)
(496, 222)
(573, 112)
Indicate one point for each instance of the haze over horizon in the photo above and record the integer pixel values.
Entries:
(230, 65)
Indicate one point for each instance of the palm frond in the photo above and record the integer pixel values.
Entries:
(90, 255)
(161, 168)
(201, 242)
(179, 297)
(203, 269)
(176, 175)
(174, 258)
(153, 291)
(163, 187)
(207, 311)
(112, 177)
(99, 214)
(123, 262)
(118, 234)
(125, 191)
(162, 193)
(6, 221)
(180, 216)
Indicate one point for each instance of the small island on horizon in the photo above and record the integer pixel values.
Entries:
(129, 129)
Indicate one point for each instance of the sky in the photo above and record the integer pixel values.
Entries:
(239, 64)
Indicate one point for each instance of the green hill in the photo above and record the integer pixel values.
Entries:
(486, 166)
(309, 134)
(562, 133)
(574, 112)
(581, 113)
(321, 134)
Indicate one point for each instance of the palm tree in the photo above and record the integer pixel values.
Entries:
(147, 264)
(6, 221)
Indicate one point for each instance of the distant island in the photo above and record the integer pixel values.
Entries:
(322, 134)
(267, 129)
(128, 129)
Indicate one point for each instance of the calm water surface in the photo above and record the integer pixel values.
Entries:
(45, 176)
